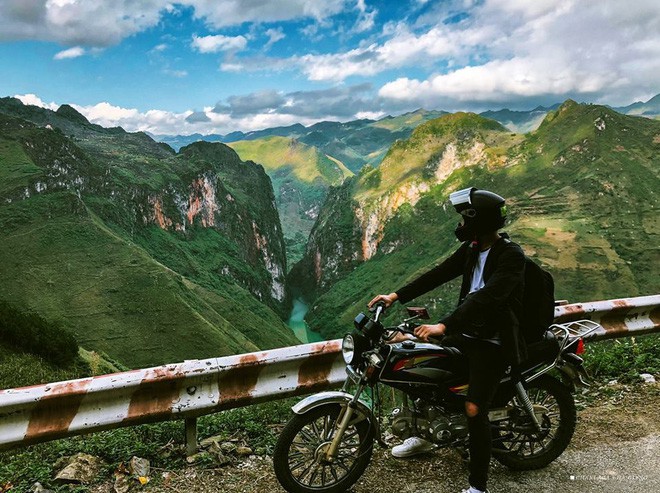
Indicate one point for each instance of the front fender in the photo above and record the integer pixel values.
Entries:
(331, 397)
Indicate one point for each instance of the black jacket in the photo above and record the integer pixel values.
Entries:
(493, 310)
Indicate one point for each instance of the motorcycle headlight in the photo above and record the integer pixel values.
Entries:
(348, 349)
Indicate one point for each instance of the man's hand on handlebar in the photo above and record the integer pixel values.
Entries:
(398, 337)
(388, 299)
(423, 332)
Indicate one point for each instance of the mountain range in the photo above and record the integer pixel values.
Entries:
(582, 190)
(354, 143)
(304, 161)
(149, 254)
(351, 145)
(649, 109)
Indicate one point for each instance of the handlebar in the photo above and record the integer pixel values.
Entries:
(405, 328)
(379, 308)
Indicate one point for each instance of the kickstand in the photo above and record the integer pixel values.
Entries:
(463, 452)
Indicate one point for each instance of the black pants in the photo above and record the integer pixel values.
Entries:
(487, 366)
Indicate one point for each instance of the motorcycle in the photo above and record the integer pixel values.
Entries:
(328, 443)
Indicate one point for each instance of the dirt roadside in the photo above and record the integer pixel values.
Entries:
(616, 448)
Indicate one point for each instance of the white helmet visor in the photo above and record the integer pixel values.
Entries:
(461, 197)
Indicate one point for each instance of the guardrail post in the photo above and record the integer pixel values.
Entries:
(191, 436)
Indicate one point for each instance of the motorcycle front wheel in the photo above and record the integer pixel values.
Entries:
(299, 459)
(518, 444)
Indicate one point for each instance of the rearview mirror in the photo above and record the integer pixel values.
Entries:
(419, 312)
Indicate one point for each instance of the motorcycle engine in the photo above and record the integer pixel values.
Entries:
(431, 423)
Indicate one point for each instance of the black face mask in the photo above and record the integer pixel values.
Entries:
(465, 232)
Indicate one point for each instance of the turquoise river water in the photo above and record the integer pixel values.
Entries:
(299, 326)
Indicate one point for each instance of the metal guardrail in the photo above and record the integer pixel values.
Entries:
(618, 318)
(194, 388)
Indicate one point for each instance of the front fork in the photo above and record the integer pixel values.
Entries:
(344, 420)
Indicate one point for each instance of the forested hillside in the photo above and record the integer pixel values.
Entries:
(582, 193)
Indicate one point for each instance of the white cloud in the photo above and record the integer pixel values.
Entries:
(232, 67)
(74, 52)
(502, 50)
(214, 44)
(369, 115)
(106, 114)
(499, 80)
(225, 13)
(603, 51)
(34, 100)
(103, 23)
(179, 74)
(132, 120)
(77, 22)
(366, 20)
(168, 122)
(274, 35)
(404, 48)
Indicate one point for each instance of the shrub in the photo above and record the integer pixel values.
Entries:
(624, 359)
(30, 332)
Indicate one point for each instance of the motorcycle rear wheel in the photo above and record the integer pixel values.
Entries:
(519, 446)
(297, 458)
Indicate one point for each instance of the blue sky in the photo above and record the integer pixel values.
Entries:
(214, 66)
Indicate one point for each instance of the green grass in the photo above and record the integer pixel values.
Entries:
(22, 369)
(161, 444)
(624, 359)
(16, 168)
(306, 163)
(114, 296)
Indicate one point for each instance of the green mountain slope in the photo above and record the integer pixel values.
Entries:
(301, 176)
(361, 142)
(146, 255)
(582, 189)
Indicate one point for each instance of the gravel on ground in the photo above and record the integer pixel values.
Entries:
(615, 449)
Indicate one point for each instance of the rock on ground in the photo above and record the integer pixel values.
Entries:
(614, 450)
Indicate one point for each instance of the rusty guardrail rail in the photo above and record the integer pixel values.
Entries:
(197, 387)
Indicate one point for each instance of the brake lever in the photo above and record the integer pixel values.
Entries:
(375, 306)
(408, 329)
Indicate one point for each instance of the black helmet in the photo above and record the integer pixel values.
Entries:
(483, 212)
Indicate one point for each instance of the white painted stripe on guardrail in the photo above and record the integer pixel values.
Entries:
(197, 387)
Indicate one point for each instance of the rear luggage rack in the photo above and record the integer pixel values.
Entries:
(569, 331)
(578, 328)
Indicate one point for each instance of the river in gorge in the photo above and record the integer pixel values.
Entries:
(298, 325)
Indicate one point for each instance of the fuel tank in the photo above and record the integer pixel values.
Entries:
(424, 364)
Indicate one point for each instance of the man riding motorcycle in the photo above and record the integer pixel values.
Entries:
(484, 325)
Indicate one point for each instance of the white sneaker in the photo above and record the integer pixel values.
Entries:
(412, 446)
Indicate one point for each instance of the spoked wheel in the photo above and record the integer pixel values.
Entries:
(518, 444)
(300, 460)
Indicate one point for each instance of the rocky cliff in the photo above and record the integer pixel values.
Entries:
(201, 220)
(581, 190)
